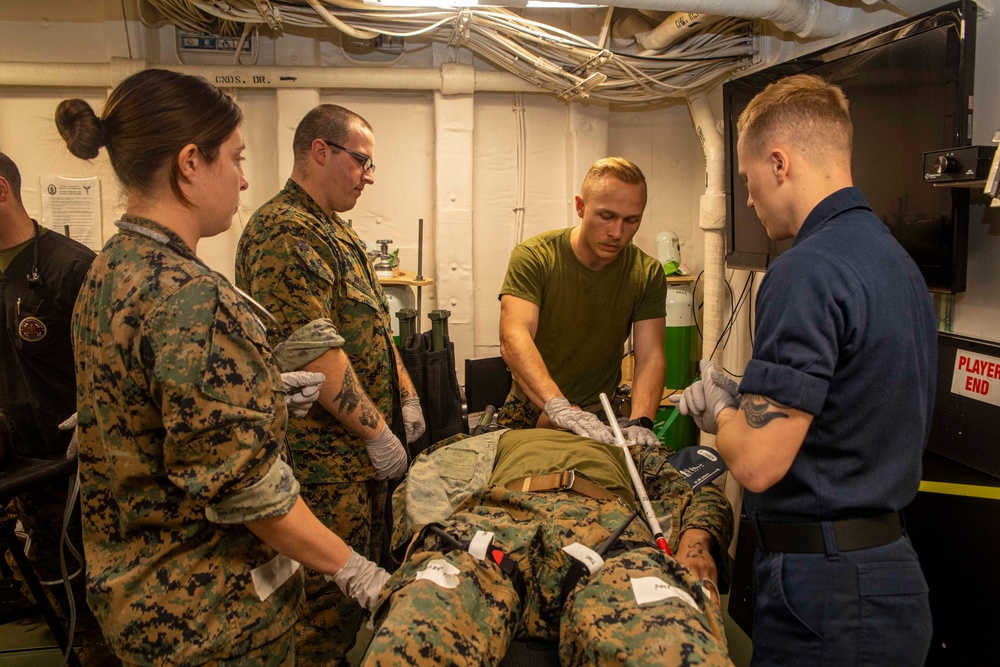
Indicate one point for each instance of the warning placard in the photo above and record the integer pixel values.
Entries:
(72, 206)
(976, 376)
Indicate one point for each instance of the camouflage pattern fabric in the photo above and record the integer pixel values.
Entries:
(303, 265)
(474, 616)
(327, 629)
(518, 413)
(180, 408)
(277, 653)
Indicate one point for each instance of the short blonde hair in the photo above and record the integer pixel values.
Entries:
(618, 167)
(804, 109)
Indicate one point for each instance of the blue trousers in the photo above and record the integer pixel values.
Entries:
(867, 608)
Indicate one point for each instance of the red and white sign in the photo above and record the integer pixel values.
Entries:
(977, 376)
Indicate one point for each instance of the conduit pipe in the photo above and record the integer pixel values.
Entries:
(451, 79)
(677, 26)
(712, 220)
(805, 18)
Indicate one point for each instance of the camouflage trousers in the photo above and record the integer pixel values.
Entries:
(518, 413)
(446, 607)
(277, 653)
(355, 511)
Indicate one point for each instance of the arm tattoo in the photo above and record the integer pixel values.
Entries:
(756, 409)
(351, 396)
(403, 394)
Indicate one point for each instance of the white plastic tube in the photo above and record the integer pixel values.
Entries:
(640, 489)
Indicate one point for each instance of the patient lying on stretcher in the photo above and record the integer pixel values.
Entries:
(512, 534)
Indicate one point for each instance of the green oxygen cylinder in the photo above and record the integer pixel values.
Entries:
(680, 344)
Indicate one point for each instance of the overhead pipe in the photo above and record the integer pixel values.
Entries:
(673, 29)
(805, 18)
(450, 79)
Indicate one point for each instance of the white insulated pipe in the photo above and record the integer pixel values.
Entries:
(451, 79)
(712, 220)
(673, 29)
(805, 18)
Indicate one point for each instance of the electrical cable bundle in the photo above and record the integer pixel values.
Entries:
(552, 59)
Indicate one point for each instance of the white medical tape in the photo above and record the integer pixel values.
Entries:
(590, 558)
(270, 576)
(440, 572)
(479, 544)
(651, 590)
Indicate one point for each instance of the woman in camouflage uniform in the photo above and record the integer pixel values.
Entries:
(191, 515)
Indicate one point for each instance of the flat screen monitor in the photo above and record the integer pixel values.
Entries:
(910, 91)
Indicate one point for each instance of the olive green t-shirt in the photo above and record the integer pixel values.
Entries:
(585, 316)
(7, 256)
(519, 455)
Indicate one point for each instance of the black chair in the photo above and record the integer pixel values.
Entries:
(19, 475)
(487, 382)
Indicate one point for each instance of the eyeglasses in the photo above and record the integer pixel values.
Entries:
(365, 161)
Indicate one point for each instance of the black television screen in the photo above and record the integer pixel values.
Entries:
(910, 91)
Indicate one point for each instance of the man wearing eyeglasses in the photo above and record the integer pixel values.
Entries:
(302, 261)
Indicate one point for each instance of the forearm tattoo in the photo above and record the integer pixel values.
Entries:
(758, 410)
(351, 397)
(695, 550)
(403, 393)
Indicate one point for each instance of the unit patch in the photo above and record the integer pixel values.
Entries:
(32, 329)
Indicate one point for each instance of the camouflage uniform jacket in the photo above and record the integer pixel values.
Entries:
(303, 265)
(456, 474)
(181, 422)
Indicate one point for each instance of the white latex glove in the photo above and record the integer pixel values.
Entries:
(579, 421)
(74, 442)
(413, 419)
(705, 399)
(301, 390)
(387, 455)
(362, 580)
(640, 435)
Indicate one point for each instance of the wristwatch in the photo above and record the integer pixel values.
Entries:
(644, 422)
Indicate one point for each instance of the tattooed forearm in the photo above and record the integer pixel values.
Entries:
(403, 393)
(369, 415)
(351, 398)
(758, 410)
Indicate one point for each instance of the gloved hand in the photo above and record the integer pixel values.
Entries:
(640, 435)
(387, 455)
(579, 421)
(362, 580)
(301, 391)
(413, 419)
(705, 399)
(74, 442)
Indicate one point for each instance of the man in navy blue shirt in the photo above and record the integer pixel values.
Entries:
(828, 427)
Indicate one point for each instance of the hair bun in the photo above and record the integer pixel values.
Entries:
(81, 129)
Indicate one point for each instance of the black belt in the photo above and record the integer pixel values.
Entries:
(850, 534)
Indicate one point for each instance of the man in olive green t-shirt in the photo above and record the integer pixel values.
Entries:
(568, 303)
